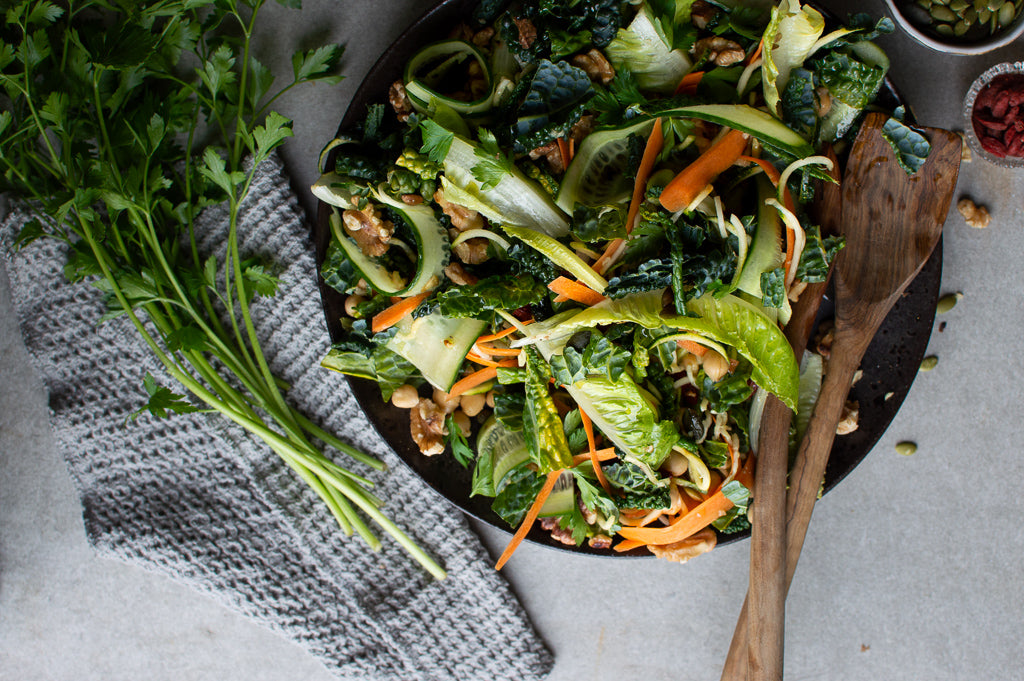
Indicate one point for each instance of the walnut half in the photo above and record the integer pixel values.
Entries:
(371, 233)
(426, 423)
(691, 547)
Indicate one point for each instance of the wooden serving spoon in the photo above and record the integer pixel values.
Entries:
(892, 222)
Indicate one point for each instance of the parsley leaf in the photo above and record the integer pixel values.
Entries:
(436, 141)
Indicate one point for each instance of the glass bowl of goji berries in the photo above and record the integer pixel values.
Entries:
(994, 115)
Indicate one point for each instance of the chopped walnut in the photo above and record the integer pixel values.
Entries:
(824, 98)
(462, 218)
(850, 419)
(371, 233)
(553, 154)
(477, 81)
(600, 541)
(400, 100)
(472, 251)
(583, 127)
(482, 37)
(701, 14)
(596, 66)
(721, 51)
(563, 535)
(589, 514)
(823, 340)
(691, 547)
(795, 290)
(458, 275)
(527, 32)
(426, 423)
(976, 216)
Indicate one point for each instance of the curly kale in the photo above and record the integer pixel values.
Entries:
(817, 255)
(493, 293)
(651, 275)
(636, 489)
(591, 224)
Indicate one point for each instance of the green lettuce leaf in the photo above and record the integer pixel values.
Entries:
(621, 411)
(789, 39)
(545, 436)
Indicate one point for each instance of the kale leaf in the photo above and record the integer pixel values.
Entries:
(638, 491)
(497, 292)
(817, 255)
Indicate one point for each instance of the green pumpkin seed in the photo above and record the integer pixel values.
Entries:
(944, 29)
(994, 5)
(970, 16)
(906, 448)
(948, 302)
(929, 363)
(941, 13)
(981, 5)
(958, 5)
(984, 15)
(1006, 13)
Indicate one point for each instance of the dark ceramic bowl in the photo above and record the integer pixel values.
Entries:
(889, 366)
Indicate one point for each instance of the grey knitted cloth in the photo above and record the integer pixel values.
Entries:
(206, 504)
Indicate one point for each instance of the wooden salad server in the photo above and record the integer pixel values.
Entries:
(892, 221)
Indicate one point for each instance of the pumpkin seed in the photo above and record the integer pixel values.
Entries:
(981, 5)
(929, 363)
(1006, 13)
(944, 29)
(943, 13)
(906, 448)
(948, 302)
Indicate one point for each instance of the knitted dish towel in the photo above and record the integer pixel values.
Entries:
(203, 502)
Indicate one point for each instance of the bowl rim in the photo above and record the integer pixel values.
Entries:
(1004, 68)
(1000, 40)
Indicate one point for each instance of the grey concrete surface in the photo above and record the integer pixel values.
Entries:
(911, 569)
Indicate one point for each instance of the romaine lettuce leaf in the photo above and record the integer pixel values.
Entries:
(542, 426)
(648, 54)
(621, 411)
(789, 39)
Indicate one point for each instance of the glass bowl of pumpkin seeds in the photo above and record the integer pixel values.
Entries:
(960, 26)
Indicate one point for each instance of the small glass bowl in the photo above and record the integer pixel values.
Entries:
(903, 11)
(1008, 69)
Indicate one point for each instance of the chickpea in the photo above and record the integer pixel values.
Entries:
(675, 465)
(351, 302)
(405, 397)
(446, 401)
(715, 365)
(462, 421)
(473, 404)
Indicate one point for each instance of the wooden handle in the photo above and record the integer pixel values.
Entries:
(767, 593)
(805, 481)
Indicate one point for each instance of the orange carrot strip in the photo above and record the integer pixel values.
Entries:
(563, 151)
(588, 428)
(756, 53)
(572, 148)
(628, 544)
(531, 516)
(497, 336)
(787, 200)
(606, 454)
(574, 290)
(695, 348)
(499, 352)
(390, 316)
(473, 380)
(602, 263)
(655, 141)
(473, 357)
(689, 83)
(692, 179)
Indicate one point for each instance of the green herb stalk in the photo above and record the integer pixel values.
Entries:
(120, 122)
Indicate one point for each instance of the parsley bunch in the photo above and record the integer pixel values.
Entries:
(119, 123)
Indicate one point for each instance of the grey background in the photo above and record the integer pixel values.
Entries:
(911, 569)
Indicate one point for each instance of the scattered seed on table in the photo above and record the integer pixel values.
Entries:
(948, 302)
(905, 448)
(929, 363)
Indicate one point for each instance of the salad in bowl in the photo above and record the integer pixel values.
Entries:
(568, 241)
